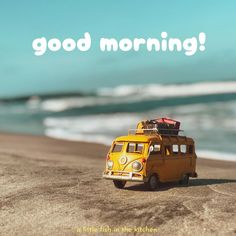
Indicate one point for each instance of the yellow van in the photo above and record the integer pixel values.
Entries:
(150, 157)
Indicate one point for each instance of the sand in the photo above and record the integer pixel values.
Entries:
(54, 187)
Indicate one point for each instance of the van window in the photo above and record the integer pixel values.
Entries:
(183, 148)
(156, 149)
(135, 147)
(190, 149)
(140, 147)
(175, 148)
(117, 147)
(167, 150)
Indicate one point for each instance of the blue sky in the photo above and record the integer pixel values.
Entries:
(22, 73)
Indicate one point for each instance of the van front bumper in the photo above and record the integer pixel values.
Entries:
(123, 175)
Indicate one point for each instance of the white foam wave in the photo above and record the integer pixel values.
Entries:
(104, 139)
(94, 123)
(61, 104)
(212, 126)
(163, 91)
(66, 135)
(100, 128)
(223, 156)
(129, 93)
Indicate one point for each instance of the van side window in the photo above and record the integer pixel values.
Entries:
(167, 150)
(183, 148)
(175, 148)
(190, 149)
(156, 148)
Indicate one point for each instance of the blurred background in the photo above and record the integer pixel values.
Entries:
(96, 96)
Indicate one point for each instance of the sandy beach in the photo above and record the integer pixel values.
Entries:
(54, 187)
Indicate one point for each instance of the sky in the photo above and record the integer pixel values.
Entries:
(22, 73)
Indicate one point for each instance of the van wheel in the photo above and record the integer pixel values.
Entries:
(153, 183)
(119, 183)
(184, 180)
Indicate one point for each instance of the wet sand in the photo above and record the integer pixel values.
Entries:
(54, 187)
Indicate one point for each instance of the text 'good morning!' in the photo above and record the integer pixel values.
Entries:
(189, 46)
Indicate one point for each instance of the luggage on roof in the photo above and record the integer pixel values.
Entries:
(164, 126)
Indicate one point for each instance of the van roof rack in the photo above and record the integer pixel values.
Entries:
(157, 131)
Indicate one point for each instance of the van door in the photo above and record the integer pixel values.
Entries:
(187, 155)
(156, 161)
(172, 162)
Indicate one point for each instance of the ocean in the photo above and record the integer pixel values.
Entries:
(207, 112)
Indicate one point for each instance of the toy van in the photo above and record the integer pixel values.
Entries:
(153, 153)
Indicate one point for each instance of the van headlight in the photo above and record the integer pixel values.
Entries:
(110, 164)
(137, 166)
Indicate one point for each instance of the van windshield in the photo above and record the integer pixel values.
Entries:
(117, 147)
(135, 147)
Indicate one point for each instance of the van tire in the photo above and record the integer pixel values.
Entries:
(119, 183)
(184, 180)
(153, 183)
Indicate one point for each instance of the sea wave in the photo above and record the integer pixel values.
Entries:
(72, 136)
(100, 128)
(163, 91)
(223, 156)
(137, 93)
(212, 127)
(106, 140)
